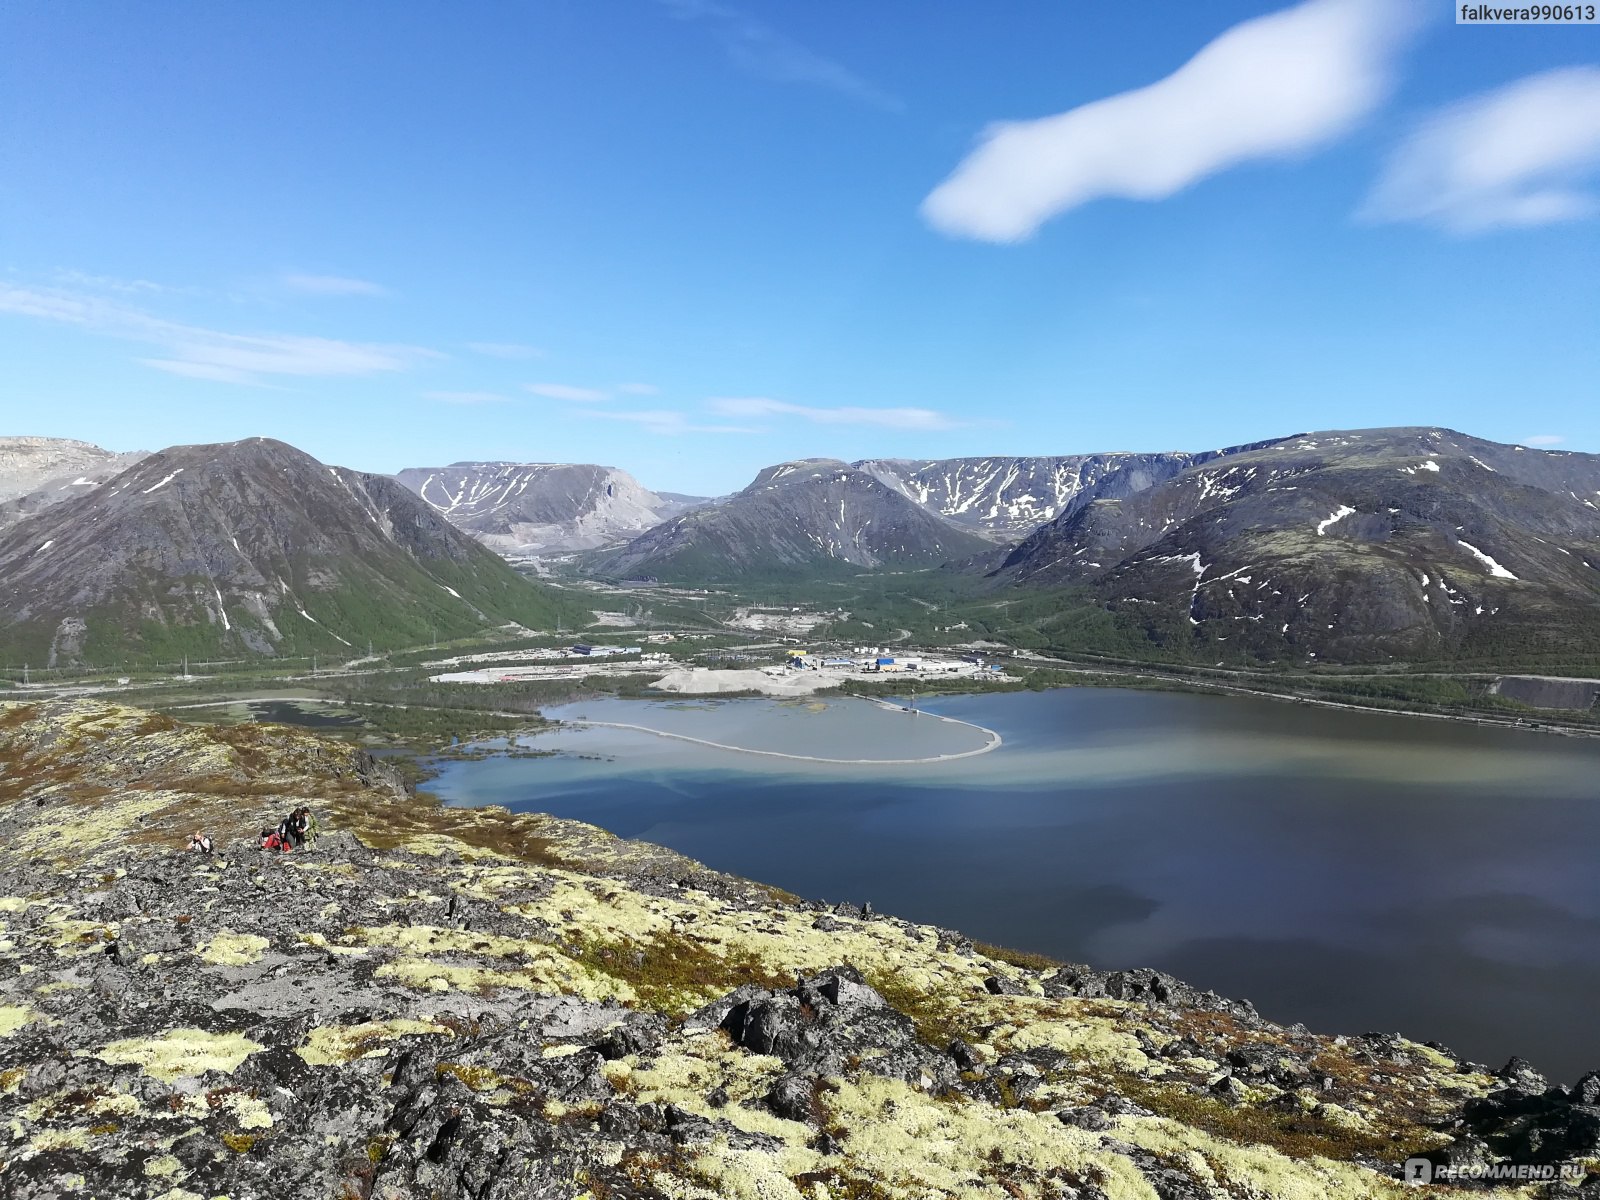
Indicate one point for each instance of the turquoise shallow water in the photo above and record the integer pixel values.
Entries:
(830, 731)
(1353, 871)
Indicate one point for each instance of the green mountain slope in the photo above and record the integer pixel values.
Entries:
(249, 548)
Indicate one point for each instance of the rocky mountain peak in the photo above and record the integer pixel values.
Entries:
(542, 508)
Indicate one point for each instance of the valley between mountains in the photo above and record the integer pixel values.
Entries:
(1386, 546)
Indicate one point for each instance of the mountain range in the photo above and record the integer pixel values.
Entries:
(1348, 545)
(1006, 497)
(1343, 546)
(249, 548)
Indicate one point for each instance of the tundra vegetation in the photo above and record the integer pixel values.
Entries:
(473, 1004)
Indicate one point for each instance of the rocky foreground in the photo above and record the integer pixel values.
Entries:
(465, 1004)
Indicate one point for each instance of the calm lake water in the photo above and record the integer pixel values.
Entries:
(1356, 872)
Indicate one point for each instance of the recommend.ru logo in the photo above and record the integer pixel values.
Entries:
(1419, 1171)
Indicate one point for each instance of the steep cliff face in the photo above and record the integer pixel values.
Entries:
(470, 1005)
(247, 548)
(1349, 545)
(542, 508)
(1005, 497)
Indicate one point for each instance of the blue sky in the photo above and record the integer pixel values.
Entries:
(692, 238)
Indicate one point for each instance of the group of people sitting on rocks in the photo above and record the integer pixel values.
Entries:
(294, 831)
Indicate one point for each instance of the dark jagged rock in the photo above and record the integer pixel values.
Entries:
(834, 1022)
(1147, 987)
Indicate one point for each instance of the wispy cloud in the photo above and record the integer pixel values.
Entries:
(67, 277)
(199, 370)
(509, 350)
(467, 397)
(666, 422)
(1271, 87)
(638, 389)
(332, 285)
(1516, 156)
(762, 51)
(1544, 439)
(199, 353)
(565, 391)
(884, 418)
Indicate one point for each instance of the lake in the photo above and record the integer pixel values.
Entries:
(1357, 872)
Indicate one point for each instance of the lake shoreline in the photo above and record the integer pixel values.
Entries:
(993, 743)
(1316, 862)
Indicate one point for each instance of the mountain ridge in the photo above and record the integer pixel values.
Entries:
(1357, 545)
(249, 547)
(794, 518)
(997, 495)
(36, 472)
(541, 508)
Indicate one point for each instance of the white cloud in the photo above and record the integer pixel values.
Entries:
(467, 397)
(512, 350)
(762, 51)
(1515, 156)
(1271, 87)
(198, 370)
(638, 389)
(886, 418)
(332, 285)
(199, 353)
(288, 354)
(108, 283)
(1544, 439)
(665, 421)
(564, 391)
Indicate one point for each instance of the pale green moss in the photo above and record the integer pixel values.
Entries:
(13, 1017)
(247, 1111)
(553, 974)
(59, 1139)
(82, 832)
(163, 1167)
(181, 1053)
(1267, 1172)
(72, 938)
(322, 943)
(229, 949)
(334, 1045)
